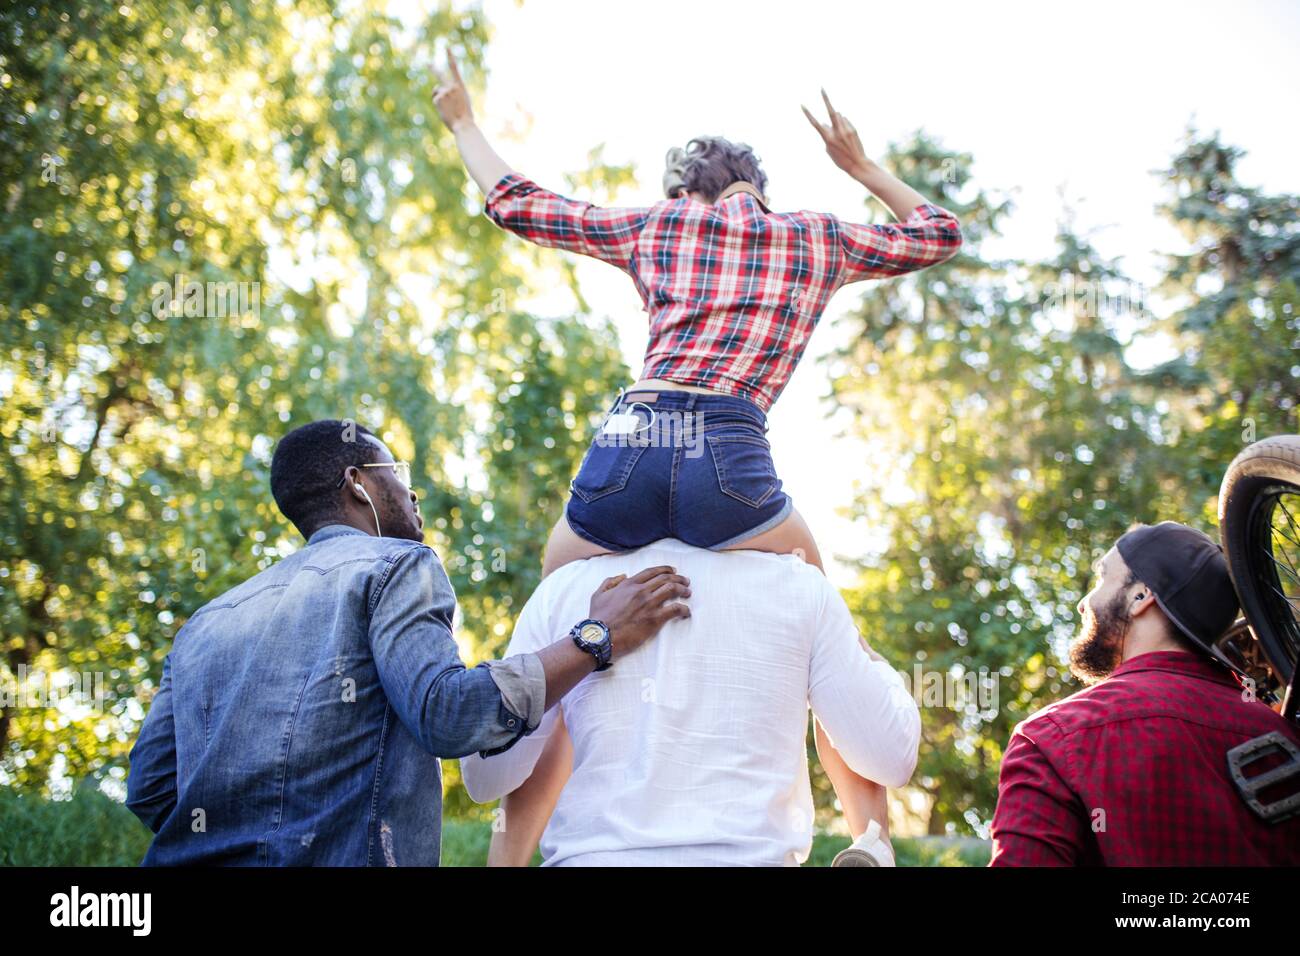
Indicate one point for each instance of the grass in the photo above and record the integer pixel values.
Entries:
(92, 829)
(89, 829)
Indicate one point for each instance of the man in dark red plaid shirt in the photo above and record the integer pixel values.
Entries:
(1135, 770)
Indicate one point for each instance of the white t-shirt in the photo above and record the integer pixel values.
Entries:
(691, 750)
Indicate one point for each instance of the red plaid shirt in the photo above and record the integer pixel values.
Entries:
(1133, 772)
(733, 292)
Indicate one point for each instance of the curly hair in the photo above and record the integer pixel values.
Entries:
(708, 165)
(306, 468)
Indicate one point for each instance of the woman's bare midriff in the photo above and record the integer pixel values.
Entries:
(660, 384)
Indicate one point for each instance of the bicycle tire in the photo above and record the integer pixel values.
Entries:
(1256, 484)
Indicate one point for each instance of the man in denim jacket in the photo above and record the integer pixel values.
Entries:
(301, 715)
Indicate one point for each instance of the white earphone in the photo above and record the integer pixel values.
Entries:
(366, 495)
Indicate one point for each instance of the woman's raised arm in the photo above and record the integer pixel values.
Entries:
(844, 147)
(925, 234)
(518, 204)
(451, 100)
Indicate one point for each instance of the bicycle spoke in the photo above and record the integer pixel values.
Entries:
(1278, 589)
(1273, 525)
(1288, 567)
(1287, 536)
(1275, 531)
(1289, 520)
(1289, 600)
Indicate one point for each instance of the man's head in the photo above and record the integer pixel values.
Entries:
(1161, 587)
(337, 472)
(708, 165)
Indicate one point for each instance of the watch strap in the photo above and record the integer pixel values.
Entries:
(602, 651)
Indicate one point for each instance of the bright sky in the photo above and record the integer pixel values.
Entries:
(1089, 100)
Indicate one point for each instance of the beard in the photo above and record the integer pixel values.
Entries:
(398, 520)
(1098, 649)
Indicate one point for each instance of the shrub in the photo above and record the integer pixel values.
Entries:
(88, 829)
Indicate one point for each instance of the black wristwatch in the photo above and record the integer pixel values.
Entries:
(593, 637)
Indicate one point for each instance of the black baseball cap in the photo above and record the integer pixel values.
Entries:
(1188, 574)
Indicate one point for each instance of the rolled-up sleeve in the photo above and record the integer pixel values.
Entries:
(522, 683)
(520, 206)
(451, 710)
(861, 702)
(929, 236)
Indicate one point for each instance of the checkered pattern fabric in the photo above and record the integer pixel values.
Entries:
(733, 292)
(1133, 771)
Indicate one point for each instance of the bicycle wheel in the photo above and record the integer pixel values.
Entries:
(1259, 519)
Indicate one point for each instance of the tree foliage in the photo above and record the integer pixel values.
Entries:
(1013, 442)
(293, 146)
(291, 149)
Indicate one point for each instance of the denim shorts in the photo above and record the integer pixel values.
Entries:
(698, 468)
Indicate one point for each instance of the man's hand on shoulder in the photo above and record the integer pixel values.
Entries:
(634, 609)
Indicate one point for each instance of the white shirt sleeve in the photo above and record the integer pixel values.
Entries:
(862, 703)
(490, 778)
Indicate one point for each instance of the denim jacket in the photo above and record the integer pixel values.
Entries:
(301, 715)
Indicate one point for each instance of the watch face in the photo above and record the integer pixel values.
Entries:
(592, 633)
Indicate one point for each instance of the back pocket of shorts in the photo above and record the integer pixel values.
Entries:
(744, 465)
(606, 469)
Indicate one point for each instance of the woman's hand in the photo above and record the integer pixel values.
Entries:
(450, 97)
(843, 146)
(842, 142)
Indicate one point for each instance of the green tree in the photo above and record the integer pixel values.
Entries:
(1010, 445)
(1236, 320)
(293, 149)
